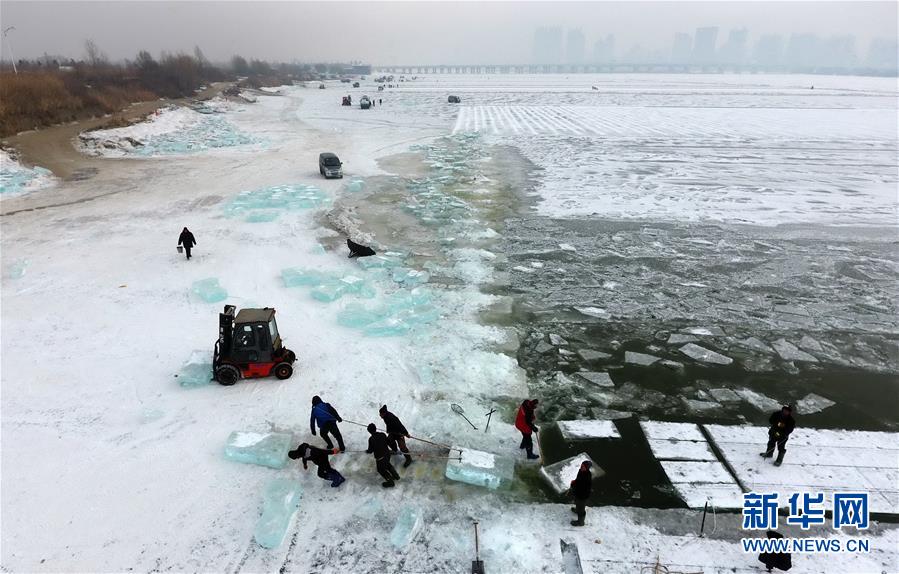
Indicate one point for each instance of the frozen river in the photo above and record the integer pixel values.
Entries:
(687, 248)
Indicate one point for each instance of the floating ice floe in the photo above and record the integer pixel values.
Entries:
(759, 401)
(600, 379)
(209, 290)
(281, 501)
(725, 395)
(543, 347)
(560, 474)
(407, 526)
(557, 340)
(593, 355)
(567, 247)
(712, 331)
(755, 344)
(810, 344)
(812, 403)
(577, 430)
(410, 277)
(264, 449)
(694, 351)
(480, 468)
(789, 352)
(678, 338)
(16, 179)
(197, 371)
(593, 312)
(639, 358)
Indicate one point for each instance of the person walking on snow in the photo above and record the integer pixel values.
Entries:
(581, 487)
(319, 458)
(187, 240)
(524, 422)
(377, 446)
(327, 418)
(396, 434)
(782, 424)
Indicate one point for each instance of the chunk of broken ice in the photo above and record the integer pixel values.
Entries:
(297, 277)
(197, 371)
(789, 352)
(389, 327)
(378, 262)
(559, 475)
(480, 468)
(593, 312)
(639, 358)
(332, 289)
(209, 290)
(281, 501)
(410, 277)
(810, 344)
(593, 355)
(601, 379)
(357, 315)
(408, 523)
(724, 395)
(678, 338)
(755, 344)
(712, 331)
(812, 403)
(557, 340)
(543, 347)
(264, 449)
(567, 247)
(694, 351)
(759, 401)
(697, 406)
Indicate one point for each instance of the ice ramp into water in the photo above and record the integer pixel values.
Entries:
(281, 501)
(560, 474)
(571, 557)
(480, 468)
(264, 449)
(408, 523)
(197, 371)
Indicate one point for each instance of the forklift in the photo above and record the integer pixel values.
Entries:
(249, 347)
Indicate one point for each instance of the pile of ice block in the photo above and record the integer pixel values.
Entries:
(480, 468)
(209, 290)
(282, 499)
(265, 449)
(398, 314)
(265, 204)
(197, 371)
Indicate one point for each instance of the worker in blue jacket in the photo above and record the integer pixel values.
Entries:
(327, 418)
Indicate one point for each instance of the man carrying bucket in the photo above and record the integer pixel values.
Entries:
(187, 240)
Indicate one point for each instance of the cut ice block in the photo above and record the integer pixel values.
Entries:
(282, 499)
(408, 523)
(357, 315)
(296, 277)
(593, 355)
(639, 358)
(419, 315)
(333, 289)
(279, 197)
(694, 351)
(480, 468)
(679, 338)
(410, 277)
(758, 400)
(16, 269)
(378, 262)
(209, 290)
(574, 430)
(560, 474)
(355, 186)
(197, 371)
(387, 328)
(264, 449)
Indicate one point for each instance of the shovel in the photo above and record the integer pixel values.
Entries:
(458, 410)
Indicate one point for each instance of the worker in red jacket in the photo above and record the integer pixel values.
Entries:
(524, 422)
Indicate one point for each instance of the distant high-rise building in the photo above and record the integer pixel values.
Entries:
(838, 52)
(769, 50)
(548, 45)
(604, 50)
(803, 51)
(734, 50)
(574, 47)
(883, 54)
(704, 45)
(682, 50)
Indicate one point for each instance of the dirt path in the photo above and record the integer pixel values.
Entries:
(52, 147)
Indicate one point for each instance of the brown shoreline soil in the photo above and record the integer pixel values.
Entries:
(52, 148)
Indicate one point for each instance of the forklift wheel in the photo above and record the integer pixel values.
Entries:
(283, 370)
(227, 375)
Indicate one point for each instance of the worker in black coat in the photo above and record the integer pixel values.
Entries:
(779, 560)
(396, 434)
(187, 240)
(319, 458)
(377, 446)
(782, 424)
(581, 487)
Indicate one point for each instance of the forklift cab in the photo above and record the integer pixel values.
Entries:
(249, 345)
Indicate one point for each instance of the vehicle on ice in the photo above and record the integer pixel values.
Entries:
(249, 346)
(346, 101)
(329, 165)
(355, 84)
(453, 99)
(364, 102)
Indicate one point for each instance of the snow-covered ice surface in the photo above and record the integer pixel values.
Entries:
(16, 179)
(108, 464)
(573, 430)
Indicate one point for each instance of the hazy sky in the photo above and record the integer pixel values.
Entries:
(406, 32)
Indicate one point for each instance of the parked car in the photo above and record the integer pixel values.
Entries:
(364, 102)
(321, 86)
(355, 84)
(329, 165)
(454, 99)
